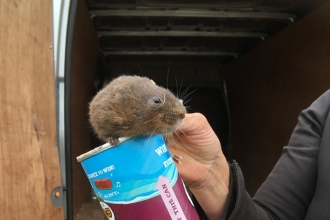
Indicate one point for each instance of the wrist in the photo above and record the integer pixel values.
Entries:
(212, 192)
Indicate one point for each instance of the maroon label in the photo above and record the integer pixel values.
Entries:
(156, 208)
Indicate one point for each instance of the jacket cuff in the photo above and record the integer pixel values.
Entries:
(231, 201)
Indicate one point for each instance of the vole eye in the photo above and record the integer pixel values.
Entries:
(157, 100)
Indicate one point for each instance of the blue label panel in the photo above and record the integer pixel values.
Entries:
(129, 172)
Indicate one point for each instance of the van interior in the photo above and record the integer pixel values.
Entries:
(250, 66)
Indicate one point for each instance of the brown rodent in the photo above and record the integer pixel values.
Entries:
(130, 106)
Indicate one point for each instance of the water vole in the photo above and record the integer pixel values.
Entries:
(130, 106)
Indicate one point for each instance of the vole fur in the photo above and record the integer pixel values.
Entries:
(130, 106)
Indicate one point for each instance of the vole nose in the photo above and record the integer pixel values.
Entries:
(182, 116)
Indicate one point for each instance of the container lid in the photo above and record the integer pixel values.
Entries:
(98, 150)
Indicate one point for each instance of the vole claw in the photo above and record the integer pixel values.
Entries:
(113, 141)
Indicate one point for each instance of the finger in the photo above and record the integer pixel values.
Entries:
(194, 123)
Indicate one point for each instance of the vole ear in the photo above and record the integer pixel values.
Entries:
(153, 82)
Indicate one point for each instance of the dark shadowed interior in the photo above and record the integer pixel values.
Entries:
(250, 66)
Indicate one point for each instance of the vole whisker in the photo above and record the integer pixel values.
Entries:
(177, 134)
(186, 101)
(152, 133)
(168, 73)
(188, 94)
(173, 139)
(140, 68)
(188, 108)
(176, 85)
(146, 122)
(179, 130)
(180, 87)
(185, 91)
(165, 138)
(154, 130)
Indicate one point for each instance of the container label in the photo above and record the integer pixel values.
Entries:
(169, 198)
(129, 172)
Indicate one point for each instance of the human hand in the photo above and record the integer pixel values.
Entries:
(203, 167)
(199, 147)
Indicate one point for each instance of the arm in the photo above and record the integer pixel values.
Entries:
(289, 189)
(287, 192)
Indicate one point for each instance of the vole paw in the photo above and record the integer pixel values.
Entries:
(113, 141)
(177, 158)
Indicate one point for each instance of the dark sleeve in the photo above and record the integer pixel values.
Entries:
(289, 189)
